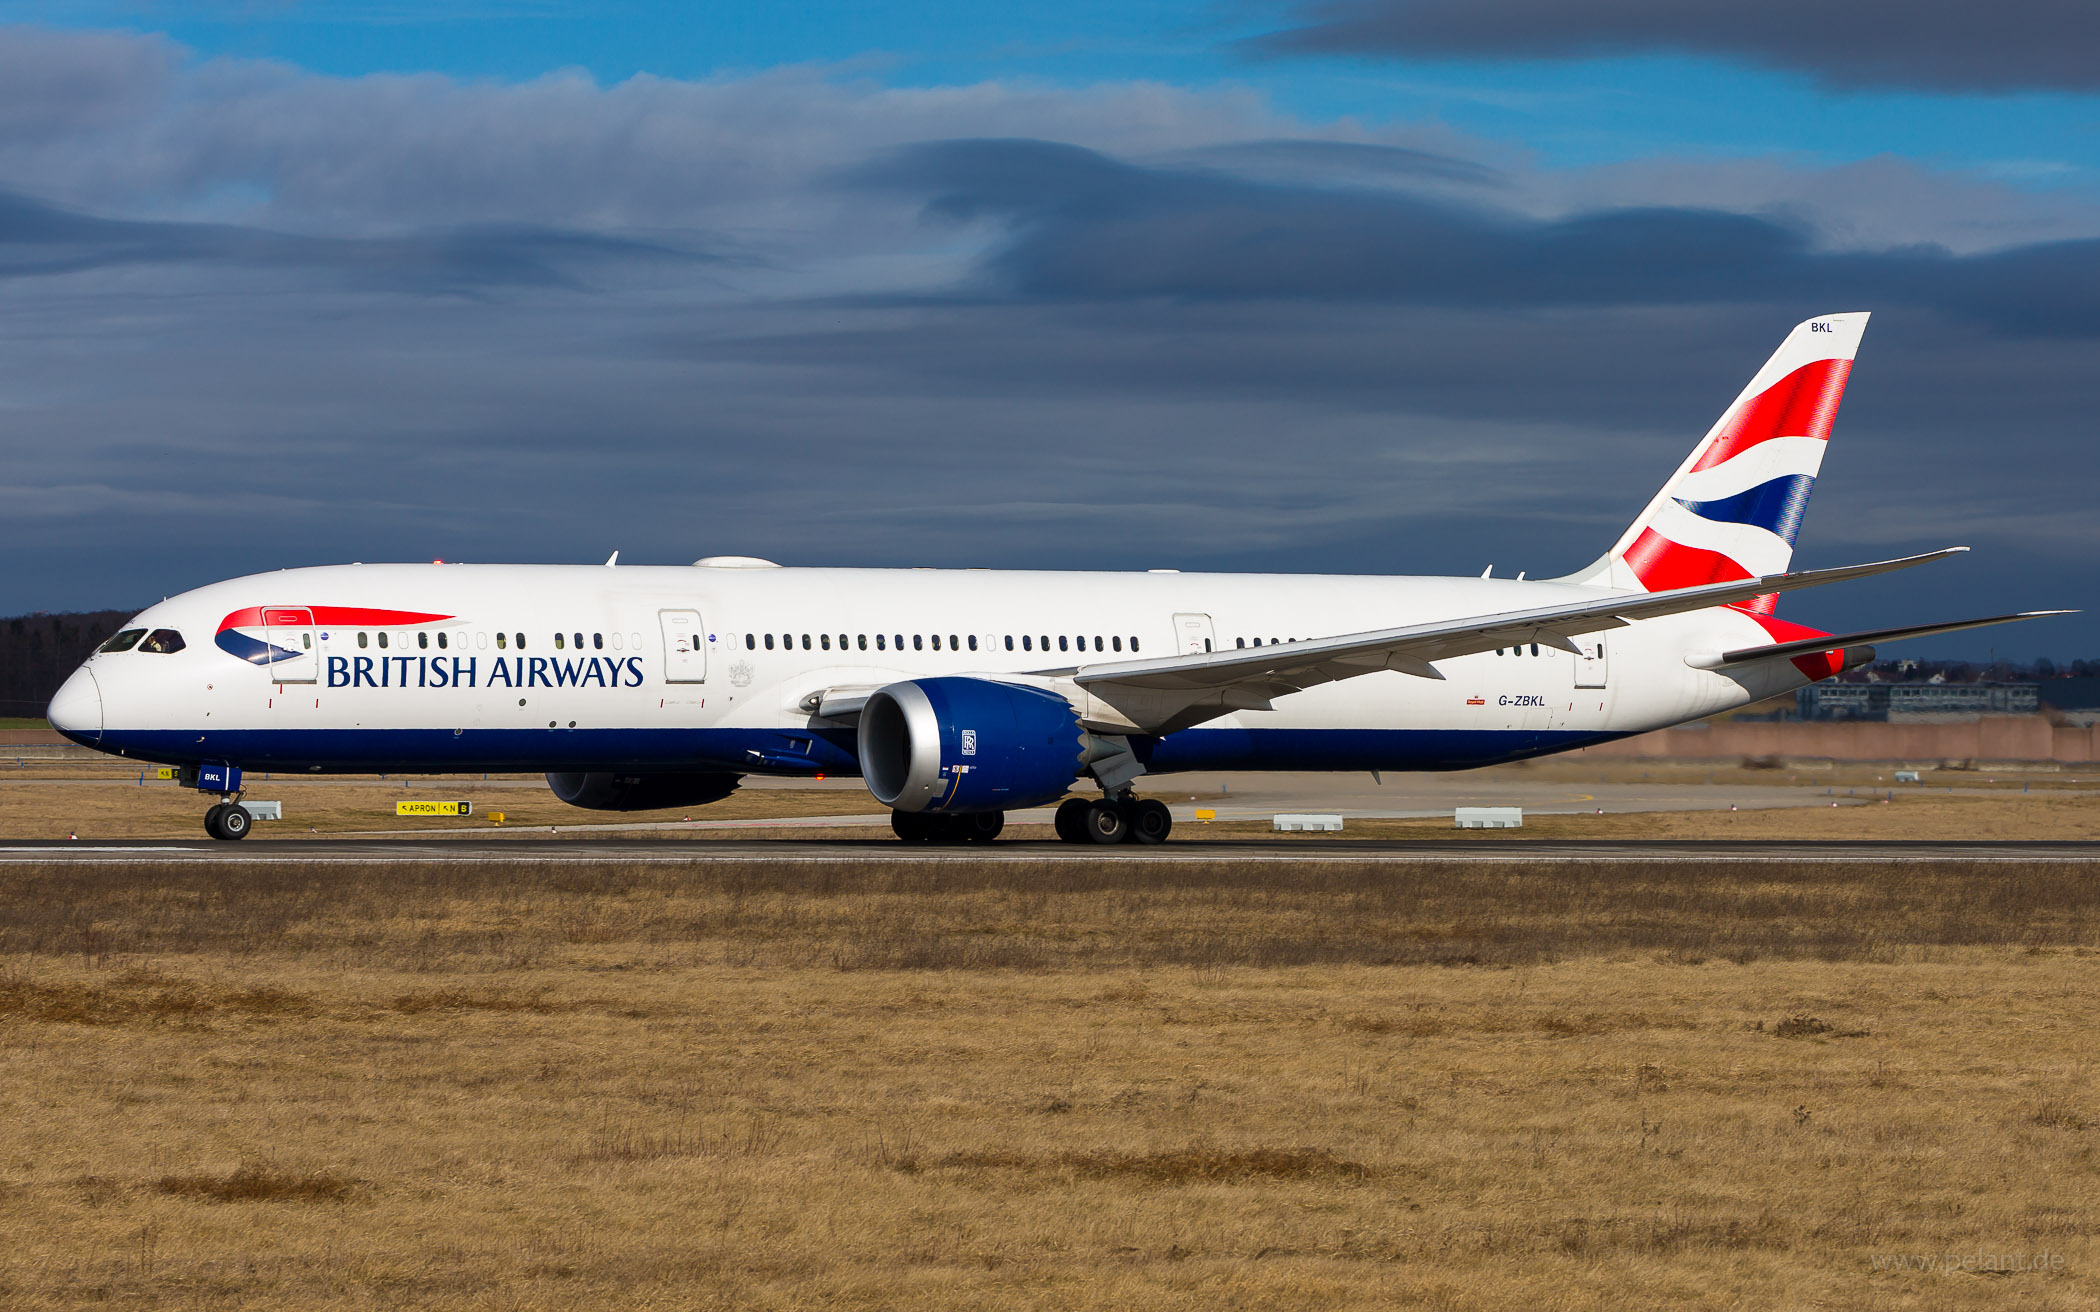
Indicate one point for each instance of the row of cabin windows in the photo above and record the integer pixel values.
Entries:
(504, 641)
(1512, 651)
(822, 642)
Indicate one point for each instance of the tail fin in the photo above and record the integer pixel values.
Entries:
(1732, 509)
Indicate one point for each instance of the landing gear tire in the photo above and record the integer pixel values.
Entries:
(1071, 819)
(912, 826)
(1150, 822)
(1105, 823)
(981, 826)
(228, 821)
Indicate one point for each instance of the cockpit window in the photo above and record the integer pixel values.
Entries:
(163, 641)
(123, 641)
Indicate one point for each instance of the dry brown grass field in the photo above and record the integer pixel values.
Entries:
(1094, 1084)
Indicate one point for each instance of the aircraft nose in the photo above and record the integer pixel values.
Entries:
(76, 711)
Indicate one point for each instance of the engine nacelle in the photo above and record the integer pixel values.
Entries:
(959, 744)
(611, 790)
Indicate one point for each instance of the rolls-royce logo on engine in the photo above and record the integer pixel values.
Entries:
(969, 742)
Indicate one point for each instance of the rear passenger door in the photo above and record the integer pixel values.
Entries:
(1193, 634)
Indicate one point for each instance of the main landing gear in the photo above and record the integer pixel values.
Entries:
(1114, 820)
(228, 820)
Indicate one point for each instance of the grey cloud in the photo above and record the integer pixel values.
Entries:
(1927, 45)
(37, 239)
(1084, 226)
(82, 82)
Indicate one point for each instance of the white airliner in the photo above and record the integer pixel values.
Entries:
(959, 695)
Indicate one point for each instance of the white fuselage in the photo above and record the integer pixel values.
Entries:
(530, 667)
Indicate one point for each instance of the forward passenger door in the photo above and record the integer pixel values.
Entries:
(685, 646)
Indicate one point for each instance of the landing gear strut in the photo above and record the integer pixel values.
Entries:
(1114, 820)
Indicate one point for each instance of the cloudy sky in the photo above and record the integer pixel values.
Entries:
(1353, 285)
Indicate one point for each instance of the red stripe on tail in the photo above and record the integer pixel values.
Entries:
(1662, 565)
(1802, 404)
(1815, 665)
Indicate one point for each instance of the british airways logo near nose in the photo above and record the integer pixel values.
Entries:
(258, 634)
(269, 635)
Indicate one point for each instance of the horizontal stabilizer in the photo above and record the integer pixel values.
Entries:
(1834, 641)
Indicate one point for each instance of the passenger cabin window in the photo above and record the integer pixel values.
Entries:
(863, 642)
(361, 639)
(442, 644)
(123, 641)
(579, 642)
(953, 647)
(501, 644)
(1027, 643)
(824, 641)
(382, 639)
(557, 642)
(973, 642)
(164, 642)
(769, 642)
(521, 642)
(1133, 644)
(917, 643)
(598, 641)
(1061, 644)
(750, 642)
(1009, 642)
(805, 642)
(880, 642)
(1116, 642)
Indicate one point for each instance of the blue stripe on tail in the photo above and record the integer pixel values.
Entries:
(1776, 506)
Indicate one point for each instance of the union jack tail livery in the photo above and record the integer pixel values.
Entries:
(1733, 508)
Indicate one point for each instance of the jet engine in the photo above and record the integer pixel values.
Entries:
(961, 744)
(610, 790)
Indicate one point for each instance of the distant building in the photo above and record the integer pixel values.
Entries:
(1912, 703)
(2074, 700)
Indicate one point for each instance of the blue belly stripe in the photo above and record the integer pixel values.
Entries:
(441, 751)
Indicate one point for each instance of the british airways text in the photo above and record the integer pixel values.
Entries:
(464, 672)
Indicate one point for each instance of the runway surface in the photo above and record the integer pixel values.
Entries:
(588, 851)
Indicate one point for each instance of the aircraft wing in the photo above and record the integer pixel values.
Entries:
(1833, 641)
(1162, 694)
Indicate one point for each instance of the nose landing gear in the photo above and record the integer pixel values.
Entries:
(228, 820)
(1114, 820)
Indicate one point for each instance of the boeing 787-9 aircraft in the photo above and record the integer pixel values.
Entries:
(960, 695)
